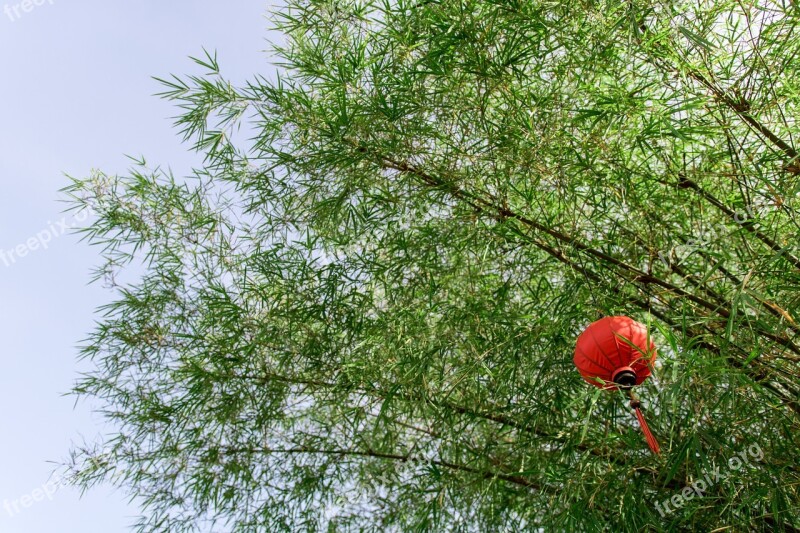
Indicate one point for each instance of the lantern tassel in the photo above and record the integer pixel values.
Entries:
(648, 435)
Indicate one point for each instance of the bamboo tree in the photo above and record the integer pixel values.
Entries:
(363, 316)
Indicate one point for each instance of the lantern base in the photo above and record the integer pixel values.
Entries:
(624, 377)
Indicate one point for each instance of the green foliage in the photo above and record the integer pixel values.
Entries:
(363, 318)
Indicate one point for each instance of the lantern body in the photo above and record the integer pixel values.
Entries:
(615, 349)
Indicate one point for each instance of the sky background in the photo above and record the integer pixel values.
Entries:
(76, 95)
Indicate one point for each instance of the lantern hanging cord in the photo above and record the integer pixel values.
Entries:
(648, 435)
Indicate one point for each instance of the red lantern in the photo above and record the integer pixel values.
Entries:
(614, 353)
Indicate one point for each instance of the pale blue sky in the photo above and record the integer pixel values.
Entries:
(75, 95)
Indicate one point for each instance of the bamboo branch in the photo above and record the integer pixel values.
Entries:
(485, 474)
(749, 225)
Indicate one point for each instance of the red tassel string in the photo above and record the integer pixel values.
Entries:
(651, 440)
